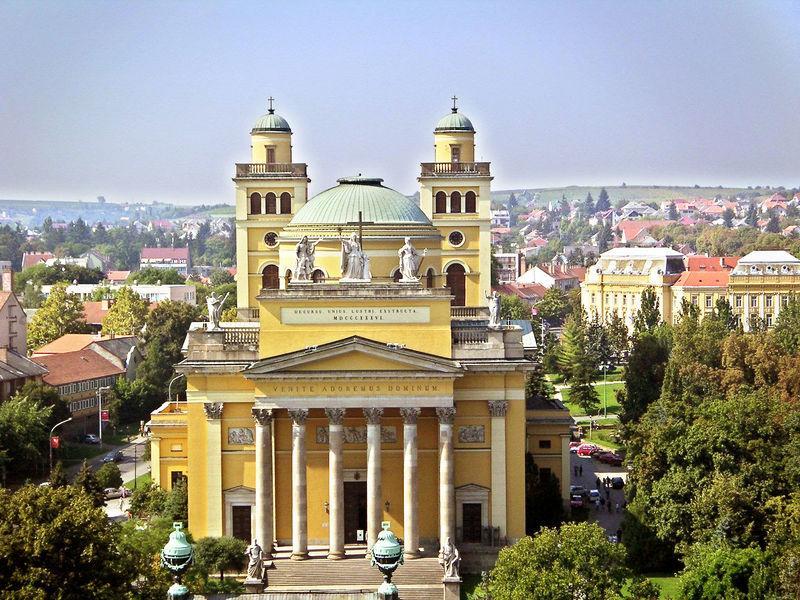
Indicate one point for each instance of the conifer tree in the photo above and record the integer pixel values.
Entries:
(86, 480)
(603, 203)
(672, 212)
(648, 317)
(58, 478)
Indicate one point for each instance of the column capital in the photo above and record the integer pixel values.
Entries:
(335, 415)
(298, 415)
(498, 408)
(446, 415)
(213, 410)
(373, 415)
(410, 415)
(263, 416)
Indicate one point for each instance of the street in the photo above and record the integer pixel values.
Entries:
(129, 468)
(592, 469)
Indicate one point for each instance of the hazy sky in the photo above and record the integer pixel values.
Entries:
(144, 101)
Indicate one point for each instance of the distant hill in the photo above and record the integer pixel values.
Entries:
(629, 193)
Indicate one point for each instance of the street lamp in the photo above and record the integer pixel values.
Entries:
(171, 381)
(50, 440)
(605, 366)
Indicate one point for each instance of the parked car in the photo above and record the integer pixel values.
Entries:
(115, 456)
(610, 458)
(576, 501)
(573, 446)
(113, 493)
(91, 438)
(578, 490)
(594, 495)
(617, 483)
(586, 450)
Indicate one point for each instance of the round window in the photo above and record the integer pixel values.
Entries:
(456, 238)
(271, 239)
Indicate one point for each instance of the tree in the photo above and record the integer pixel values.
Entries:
(573, 347)
(543, 504)
(787, 326)
(648, 316)
(513, 307)
(87, 481)
(131, 401)
(727, 217)
(537, 387)
(176, 504)
(61, 313)
(773, 225)
(148, 501)
(617, 334)
(152, 275)
(140, 544)
(604, 237)
(109, 476)
(720, 571)
(644, 373)
(127, 314)
(24, 428)
(588, 205)
(583, 393)
(55, 543)
(572, 561)
(672, 212)
(553, 305)
(58, 478)
(219, 554)
(220, 277)
(41, 274)
(752, 215)
(603, 201)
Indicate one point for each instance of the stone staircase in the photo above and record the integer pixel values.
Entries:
(419, 579)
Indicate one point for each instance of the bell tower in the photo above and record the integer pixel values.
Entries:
(455, 194)
(269, 191)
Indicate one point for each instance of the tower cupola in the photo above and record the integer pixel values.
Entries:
(271, 138)
(454, 137)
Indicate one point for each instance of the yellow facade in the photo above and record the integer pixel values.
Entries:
(363, 350)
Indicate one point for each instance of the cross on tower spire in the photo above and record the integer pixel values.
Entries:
(270, 100)
(455, 108)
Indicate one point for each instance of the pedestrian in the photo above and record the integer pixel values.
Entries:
(608, 495)
(619, 534)
(603, 501)
(575, 468)
(609, 507)
(597, 504)
(597, 483)
(580, 469)
(617, 506)
(121, 502)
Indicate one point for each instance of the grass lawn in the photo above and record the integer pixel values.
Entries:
(607, 391)
(667, 583)
(604, 438)
(140, 481)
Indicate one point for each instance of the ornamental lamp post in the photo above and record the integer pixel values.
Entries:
(387, 555)
(176, 557)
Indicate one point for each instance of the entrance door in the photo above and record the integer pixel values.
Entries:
(241, 523)
(456, 283)
(355, 510)
(471, 530)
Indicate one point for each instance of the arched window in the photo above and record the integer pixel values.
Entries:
(455, 202)
(441, 202)
(429, 278)
(317, 276)
(287, 279)
(286, 203)
(271, 203)
(255, 203)
(397, 276)
(270, 278)
(469, 202)
(456, 281)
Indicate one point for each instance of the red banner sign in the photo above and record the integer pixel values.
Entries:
(104, 416)
(55, 442)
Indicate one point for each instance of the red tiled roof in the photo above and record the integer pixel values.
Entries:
(30, 259)
(169, 253)
(711, 263)
(703, 279)
(117, 275)
(71, 367)
(568, 272)
(630, 229)
(531, 292)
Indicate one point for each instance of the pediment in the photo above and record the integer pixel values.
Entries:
(353, 355)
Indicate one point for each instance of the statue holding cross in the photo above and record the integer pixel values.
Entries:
(355, 262)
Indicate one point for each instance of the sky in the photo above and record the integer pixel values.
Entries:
(154, 101)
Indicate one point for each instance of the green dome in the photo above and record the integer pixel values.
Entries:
(271, 122)
(377, 203)
(455, 121)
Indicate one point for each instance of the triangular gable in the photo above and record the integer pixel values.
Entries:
(353, 353)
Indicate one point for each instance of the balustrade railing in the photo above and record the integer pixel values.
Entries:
(271, 170)
(456, 169)
(240, 336)
(468, 311)
(470, 335)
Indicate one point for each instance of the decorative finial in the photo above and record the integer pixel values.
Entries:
(455, 108)
(270, 100)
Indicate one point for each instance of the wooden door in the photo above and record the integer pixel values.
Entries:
(355, 510)
(471, 529)
(456, 281)
(241, 523)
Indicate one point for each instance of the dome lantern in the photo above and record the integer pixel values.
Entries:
(271, 122)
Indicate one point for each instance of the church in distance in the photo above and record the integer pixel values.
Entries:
(365, 379)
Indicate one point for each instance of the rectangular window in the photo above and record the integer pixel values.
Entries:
(769, 319)
(695, 300)
(784, 300)
(271, 155)
(768, 300)
(754, 301)
(176, 448)
(544, 443)
(738, 301)
(709, 300)
(455, 154)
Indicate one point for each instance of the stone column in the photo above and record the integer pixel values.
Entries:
(214, 516)
(299, 500)
(497, 410)
(374, 508)
(335, 482)
(447, 492)
(410, 493)
(264, 534)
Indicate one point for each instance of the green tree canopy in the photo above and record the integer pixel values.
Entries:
(127, 314)
(24, 427)
(513, 307)
(573, 561)
(152, 275)
(41, 274)
(648, 317)
(603, 202)
(219, 554)
(715, 571)
(553, 305)
(87, 482)
(61, 313)
(220, 277)
(787, 326)
(108, 476)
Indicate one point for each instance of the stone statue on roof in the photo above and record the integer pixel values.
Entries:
(304, 251)
(355, 262)
(410, 261)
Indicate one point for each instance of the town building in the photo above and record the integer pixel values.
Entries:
(510, 265)
(761, 284)
(345, 402)
(166, 258)
(557, 273)
(150, 292)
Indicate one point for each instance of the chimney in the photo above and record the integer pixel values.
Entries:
(6, 278)
(722, 261)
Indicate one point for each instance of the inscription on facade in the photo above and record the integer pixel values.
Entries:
(352, 388)
(471, 434)
(240, 436)
(358, 435)
(351, 314)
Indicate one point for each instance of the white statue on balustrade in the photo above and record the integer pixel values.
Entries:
(355, 262)
(494, 310)
(450, 560)
(410, 261)
(304, 251)
(215, 304)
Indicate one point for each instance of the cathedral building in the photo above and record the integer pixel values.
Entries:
(366, 380)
